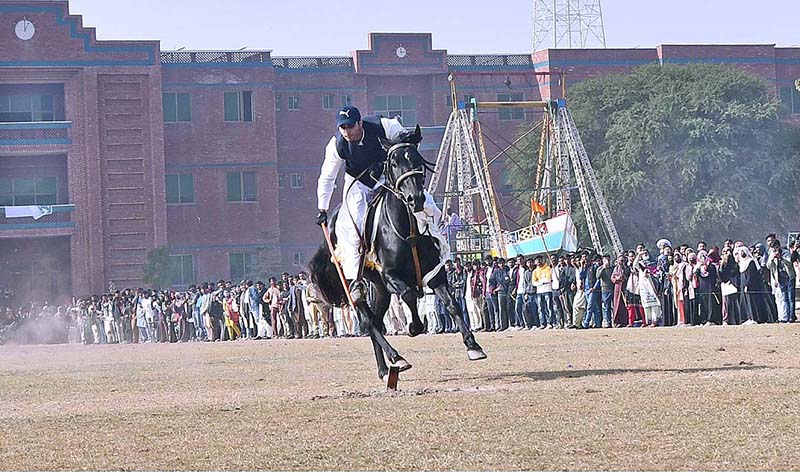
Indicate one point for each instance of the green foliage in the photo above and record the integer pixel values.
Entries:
(688, 152)
(157, 268)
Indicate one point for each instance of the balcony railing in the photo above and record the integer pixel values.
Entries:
(454, 61)
(215, 57)
(333, 62)
(55, 216)
(34, 133)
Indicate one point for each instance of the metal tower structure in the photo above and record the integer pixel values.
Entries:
(567, 24)
(462, 160)
(466, 179)
(563, 165)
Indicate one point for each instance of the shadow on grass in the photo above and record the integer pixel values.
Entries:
(551, 375)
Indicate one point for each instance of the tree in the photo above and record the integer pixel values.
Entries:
(689, 152)
(157, 269)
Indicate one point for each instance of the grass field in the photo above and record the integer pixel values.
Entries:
(712, 398)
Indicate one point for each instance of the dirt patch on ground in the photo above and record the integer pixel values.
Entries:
(716, 398)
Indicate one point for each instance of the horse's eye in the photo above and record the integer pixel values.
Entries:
(394, 164)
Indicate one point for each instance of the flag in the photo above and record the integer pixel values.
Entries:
(35, 211)
(536, 207)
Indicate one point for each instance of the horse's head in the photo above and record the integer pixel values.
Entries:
(405, 169)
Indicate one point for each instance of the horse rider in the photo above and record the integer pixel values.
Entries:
(358, 149)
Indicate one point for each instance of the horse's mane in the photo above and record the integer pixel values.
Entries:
(408, 136)
(411, 137)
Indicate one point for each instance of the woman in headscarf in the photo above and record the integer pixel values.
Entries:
(632, 300)
(715, 258)
(665, 262)
(751, 295)
(760, 254)
(729, 275)
(706, 274)
(619, 277)
(676, 272)
(647, 291)
(689, 297)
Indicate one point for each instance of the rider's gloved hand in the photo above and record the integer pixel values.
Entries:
(322, 218)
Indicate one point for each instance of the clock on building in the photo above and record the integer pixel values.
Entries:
(401, 52)
(24, 29)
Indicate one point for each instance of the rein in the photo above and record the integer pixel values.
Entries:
(395, 190)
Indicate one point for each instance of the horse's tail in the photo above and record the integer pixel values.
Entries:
(326, 278)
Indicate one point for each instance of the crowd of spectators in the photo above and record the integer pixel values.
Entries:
(283, 308)
(680, 286)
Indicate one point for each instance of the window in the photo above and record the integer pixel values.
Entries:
(239, 106)
(293, 102)
(6, 192)
(241, 265)
(241, 186)
(277, 103)
(281, 180)
(177, 107)
(181, 270)
(28, 191)
(296, 180)
(180, 189)
(790, 98)
(26, 108)
(510, 113)
(402, 106)
(327, 102)
(347, 100)
(298, 258)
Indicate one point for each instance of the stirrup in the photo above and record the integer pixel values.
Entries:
(358, 291)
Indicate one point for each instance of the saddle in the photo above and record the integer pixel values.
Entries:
(372, 221)
(369, 258)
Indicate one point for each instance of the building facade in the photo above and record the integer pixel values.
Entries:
(123, 147)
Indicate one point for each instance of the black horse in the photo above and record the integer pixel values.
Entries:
(402, 194)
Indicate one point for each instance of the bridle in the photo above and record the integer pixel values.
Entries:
(394, 187)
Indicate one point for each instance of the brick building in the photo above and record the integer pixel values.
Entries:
(215, 154)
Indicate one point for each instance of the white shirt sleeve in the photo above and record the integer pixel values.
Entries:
(327, 176)
(392, 127)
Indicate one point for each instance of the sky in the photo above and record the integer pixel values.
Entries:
(335, 28)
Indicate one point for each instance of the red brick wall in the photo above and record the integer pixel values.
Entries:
(120, 148)
(209, 148)
(116, 147)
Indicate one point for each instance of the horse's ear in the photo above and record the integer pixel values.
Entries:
(385, 144)
(417, 136)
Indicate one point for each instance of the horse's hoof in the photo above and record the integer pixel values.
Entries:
(415, 329)
(475, 355)
(403, 365)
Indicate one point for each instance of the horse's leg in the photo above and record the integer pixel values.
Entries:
(409, 296)
(373, 321)
(383, 370)
(474, 351)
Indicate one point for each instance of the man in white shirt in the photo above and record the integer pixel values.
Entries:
(358, 149)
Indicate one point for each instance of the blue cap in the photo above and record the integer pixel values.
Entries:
(348, 115)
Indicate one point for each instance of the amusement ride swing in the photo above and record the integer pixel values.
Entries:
(562, 166)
